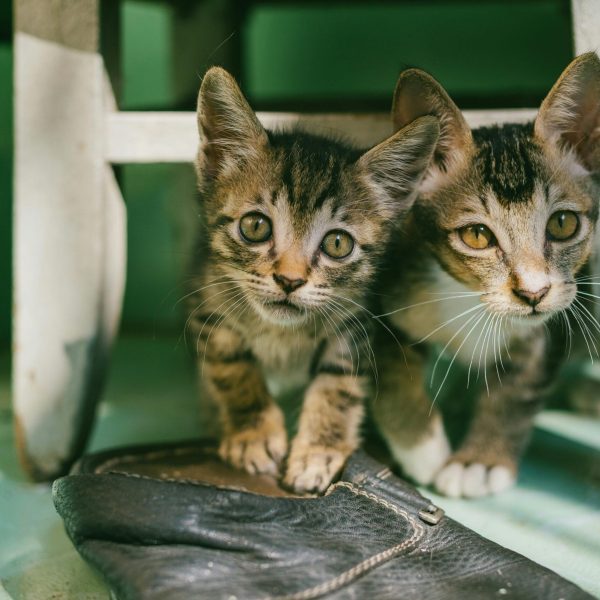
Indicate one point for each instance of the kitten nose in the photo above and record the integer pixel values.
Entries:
(286, 284)
(532, 298)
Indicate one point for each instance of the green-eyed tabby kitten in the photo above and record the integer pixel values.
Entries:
(492, 252)
(295, 227)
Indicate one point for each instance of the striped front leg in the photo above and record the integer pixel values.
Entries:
(328, 430)
(253, 427)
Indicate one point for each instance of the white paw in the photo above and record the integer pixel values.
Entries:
(422, 461)
(312, 469)
(473, 481)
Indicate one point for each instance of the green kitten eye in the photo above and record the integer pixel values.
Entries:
(255, 227)
(562, 225)
(477, 236)
(337, 244)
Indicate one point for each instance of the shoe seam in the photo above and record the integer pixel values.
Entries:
(154, 454)
(367, 564)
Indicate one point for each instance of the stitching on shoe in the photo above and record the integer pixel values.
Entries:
(195, 482)
(366, 565)
(203, 484)
(129, 458)
(383, 474)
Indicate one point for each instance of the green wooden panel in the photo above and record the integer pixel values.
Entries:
(146, 58)
(494, 52)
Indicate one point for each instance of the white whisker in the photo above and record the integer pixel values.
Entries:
(583, 328)
(220, 321)
(489, 316)
(453, 297)
(446, 323)
(588, 295)
(457, 333)
(590, 317)
(478, 319)
(229, 290)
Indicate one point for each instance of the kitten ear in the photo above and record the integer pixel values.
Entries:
(418, 94)
(395, 167)
(569, 117)
(230, 133)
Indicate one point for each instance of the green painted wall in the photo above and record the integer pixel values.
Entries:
(501, 52)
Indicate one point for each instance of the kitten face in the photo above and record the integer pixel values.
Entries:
(510, 211)
(298, 228)
(297, 221)
(512, 226)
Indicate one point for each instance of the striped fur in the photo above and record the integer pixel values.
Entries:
(252, 320)
(467, 301)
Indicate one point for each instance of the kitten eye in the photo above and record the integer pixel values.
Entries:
(477, 236)
(562, 225)
(255, 227)
(337, 244)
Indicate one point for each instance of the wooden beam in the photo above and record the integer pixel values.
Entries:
(155, 137)
(586, 25)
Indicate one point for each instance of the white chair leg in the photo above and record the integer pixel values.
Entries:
(67, 287)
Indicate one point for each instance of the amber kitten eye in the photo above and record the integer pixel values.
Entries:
(477, 236)
(337, 244)
(255, 227)
(562, 225)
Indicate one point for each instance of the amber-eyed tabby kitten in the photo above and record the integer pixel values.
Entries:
(492, 252)
(295, 229)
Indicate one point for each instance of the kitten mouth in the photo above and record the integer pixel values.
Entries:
(535, 317)
(285, 304)
(282, 312)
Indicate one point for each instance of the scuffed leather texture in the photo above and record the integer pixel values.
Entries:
(157, 537)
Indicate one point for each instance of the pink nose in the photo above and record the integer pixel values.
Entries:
(532, 298)
(286, 284)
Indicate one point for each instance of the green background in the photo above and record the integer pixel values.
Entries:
(295, 56)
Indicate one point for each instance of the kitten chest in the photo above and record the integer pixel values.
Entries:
(448, 314)
(285, 357)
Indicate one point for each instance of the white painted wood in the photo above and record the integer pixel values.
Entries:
(115, 240)
(59, 234)
(586, 33)
(151, 137)
(481, 118)
(115, 257)
(586, 25)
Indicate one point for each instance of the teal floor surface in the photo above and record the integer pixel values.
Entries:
(552, 516)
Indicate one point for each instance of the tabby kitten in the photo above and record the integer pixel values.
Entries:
(491, 253)
(296, 226)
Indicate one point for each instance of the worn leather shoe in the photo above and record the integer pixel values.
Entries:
(173, 522)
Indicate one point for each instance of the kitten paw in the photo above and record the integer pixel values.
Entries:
(473, 480)
(422, 461)
(311, 469)
(259, 449)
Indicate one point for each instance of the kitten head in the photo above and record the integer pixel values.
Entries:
(299, 221)
(510, 210)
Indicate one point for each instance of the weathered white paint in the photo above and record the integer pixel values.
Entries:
(586, 25)
(115, 257)
(586, 32)
(59, 232)
(136, 137)
(115, 239)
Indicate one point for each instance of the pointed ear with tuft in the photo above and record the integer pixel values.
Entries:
(395, 167)
(569, 117)
(418, 94)
(230, 133)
